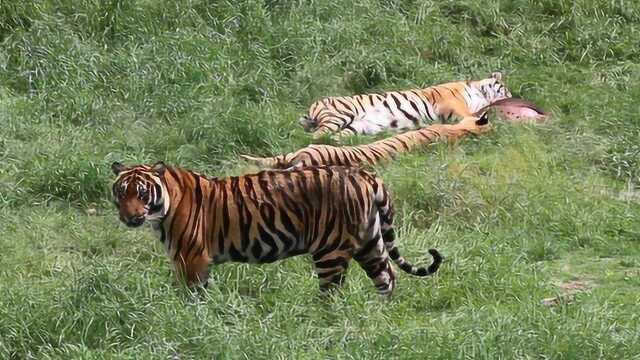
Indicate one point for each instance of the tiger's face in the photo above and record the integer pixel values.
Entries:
(493, 88)
(139, 193)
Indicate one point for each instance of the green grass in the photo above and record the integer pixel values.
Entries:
(195, 83)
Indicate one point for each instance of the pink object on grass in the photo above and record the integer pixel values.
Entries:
(517, 110)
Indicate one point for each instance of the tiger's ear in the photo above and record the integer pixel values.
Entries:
(159, 167)
(497, 75)
(117, 168)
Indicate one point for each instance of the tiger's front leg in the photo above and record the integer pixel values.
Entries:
(331, 268)
(472, 125)
(194, 271)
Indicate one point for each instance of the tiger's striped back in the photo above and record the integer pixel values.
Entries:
(331, 213)
(371, 154)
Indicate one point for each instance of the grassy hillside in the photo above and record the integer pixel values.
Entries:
(524, 214)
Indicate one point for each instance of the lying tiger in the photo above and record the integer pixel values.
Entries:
(332, 213)
(371, 154)
(401, 110)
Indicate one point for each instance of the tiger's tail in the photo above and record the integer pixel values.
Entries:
(420, 271)
(388, 238)
(275, 162)
(385, 210)
(308, 124)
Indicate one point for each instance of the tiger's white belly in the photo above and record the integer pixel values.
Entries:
(379, 119)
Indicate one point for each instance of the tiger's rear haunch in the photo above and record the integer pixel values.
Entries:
(374, 153)
(332, 213)
(400, 110)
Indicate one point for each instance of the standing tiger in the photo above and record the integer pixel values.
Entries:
(398, 110)
(371, 154)
(332, 213)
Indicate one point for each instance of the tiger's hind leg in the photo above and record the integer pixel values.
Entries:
(331, 268)
(374, 259)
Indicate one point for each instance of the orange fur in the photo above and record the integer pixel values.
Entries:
(400, 110)
(332, 213)
(371, 154)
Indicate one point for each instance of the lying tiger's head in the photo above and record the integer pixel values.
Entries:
(139, 193)
(493, 88)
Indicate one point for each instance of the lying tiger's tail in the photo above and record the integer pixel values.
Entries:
(275, 162)
(308, 124)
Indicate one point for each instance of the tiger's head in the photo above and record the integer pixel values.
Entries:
(492, 88)
(139, 193)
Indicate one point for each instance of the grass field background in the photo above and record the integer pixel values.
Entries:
(521, 214)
